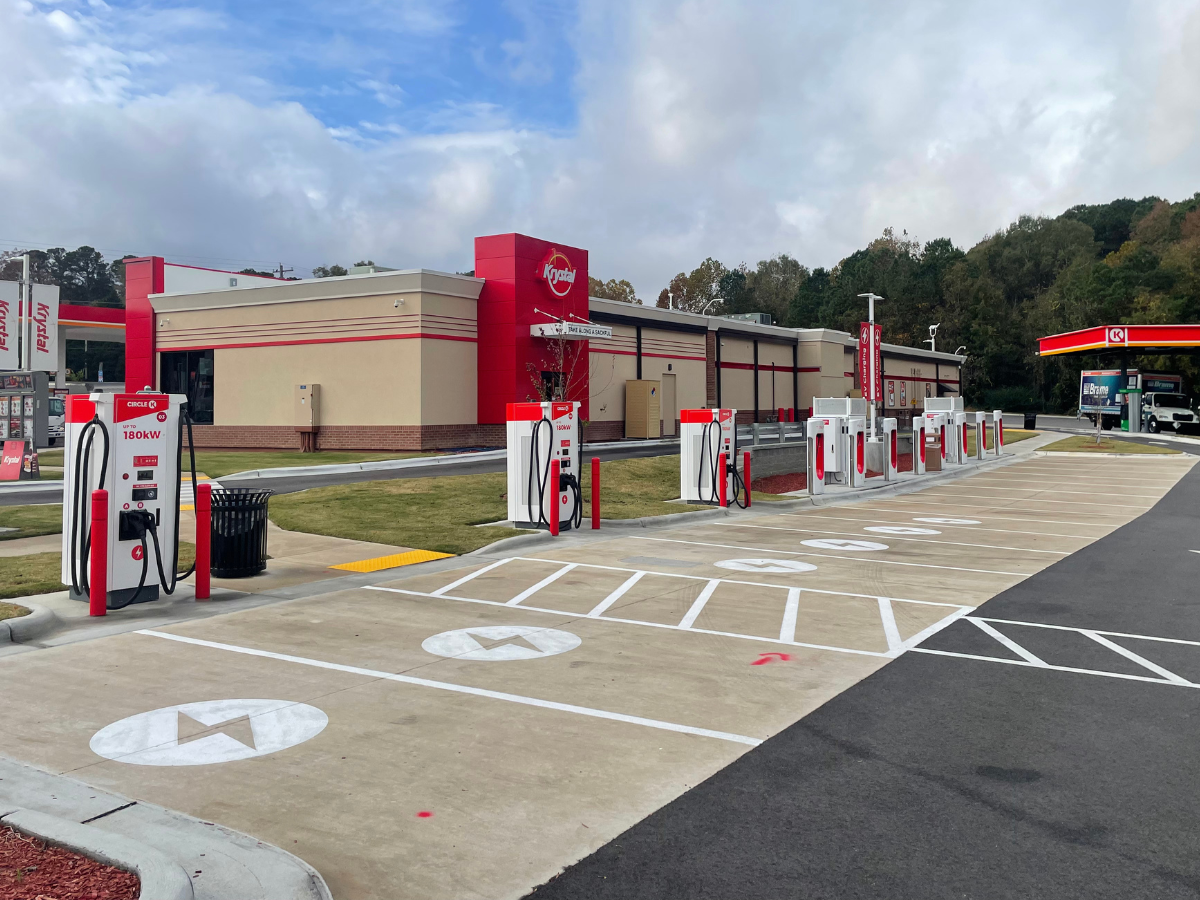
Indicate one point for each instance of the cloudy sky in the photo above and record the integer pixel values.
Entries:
(653, 133)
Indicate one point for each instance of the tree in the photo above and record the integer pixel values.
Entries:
(83, 277)
(699, 292)
(255, 272)
(621, 291)
(333, 271)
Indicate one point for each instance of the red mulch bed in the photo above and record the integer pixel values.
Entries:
(798, 481)
(30, 870)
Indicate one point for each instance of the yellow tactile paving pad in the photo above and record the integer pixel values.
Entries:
(391, 562)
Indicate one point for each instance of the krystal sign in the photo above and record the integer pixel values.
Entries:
(870, 340)
(558, 273)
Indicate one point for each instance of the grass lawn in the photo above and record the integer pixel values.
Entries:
(1011, 436)
(441, 513)
(41, 573)
(30, 520)
(12, 611)
(1080, 443)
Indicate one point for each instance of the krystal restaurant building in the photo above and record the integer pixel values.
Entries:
(417, 359)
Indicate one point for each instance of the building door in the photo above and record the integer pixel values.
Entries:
(670, 411)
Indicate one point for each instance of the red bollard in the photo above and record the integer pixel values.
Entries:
(791, 414)
(781, 415)
(203, 495)
(555, 497)
(723, 469)
(98, 563)
(746, 475)
(595, 493)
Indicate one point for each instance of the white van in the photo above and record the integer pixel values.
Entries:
(1162, 410)
(56, 420)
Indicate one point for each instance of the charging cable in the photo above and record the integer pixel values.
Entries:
(538, 477)
(81, 535)
(712, 452)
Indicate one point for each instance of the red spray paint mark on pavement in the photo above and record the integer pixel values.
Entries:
(424, 814)
(764, 658)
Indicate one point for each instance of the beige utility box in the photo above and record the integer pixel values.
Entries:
(308, 407)
(643, 409)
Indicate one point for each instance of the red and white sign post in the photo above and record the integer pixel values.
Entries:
(870, 359)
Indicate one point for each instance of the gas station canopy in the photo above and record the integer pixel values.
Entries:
(1142, 338)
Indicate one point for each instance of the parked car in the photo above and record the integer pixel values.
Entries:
(1173, 411)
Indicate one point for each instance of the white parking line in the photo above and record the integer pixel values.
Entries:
(943, 502)
(1036, 500)
(616, 595)
(464, 689)
(894, 537)
(853, 651)
(549, 579)
(854, 559)
(452, 585)
(791, 611)
(1049, 534)
(697, 607)
(1042, 490)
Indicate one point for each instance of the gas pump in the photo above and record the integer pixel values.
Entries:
(539, 434)
(998, 431)
(823, 436)
(855, 431)
(132, 446)
(891, 451)
(704, 434)
(919, 436)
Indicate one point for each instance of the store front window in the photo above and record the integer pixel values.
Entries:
(190, 373)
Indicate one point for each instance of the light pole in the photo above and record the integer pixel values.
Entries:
(871, 298)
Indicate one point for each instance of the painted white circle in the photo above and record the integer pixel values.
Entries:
(210, 731)
(765, 565)
(518, 642)
(938, 520)
(843, 544)
(900, 529)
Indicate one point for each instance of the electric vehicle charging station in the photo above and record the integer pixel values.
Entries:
(130, 445)
(541, 435)
(919, 438)
(980, 423)
(705, 434)
(960, 437)
(822, 435)
(854, 432)
(891, 450)
(998, 431)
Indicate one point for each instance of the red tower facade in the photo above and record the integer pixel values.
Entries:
(529, 282)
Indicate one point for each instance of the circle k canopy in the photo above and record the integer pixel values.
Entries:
(1141, 338)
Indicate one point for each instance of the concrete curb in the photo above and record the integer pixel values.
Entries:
(30, 487)
(26, 628)
(162, 879)
(514, 543)
(218, 863)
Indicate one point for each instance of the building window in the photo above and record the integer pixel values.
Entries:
(190, 373)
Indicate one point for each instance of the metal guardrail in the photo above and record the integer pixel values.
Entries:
(770, 433)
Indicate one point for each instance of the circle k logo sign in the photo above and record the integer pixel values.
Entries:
(1117, 336)
(558, 273)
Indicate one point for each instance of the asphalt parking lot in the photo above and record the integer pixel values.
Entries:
(469, 729)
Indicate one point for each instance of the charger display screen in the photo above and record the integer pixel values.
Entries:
(145, 493)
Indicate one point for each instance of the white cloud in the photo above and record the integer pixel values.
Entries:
(704, 128)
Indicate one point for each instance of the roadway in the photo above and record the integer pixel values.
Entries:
(1043, 746)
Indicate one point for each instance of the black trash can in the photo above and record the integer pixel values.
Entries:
(1030, 421)
(239, 532)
